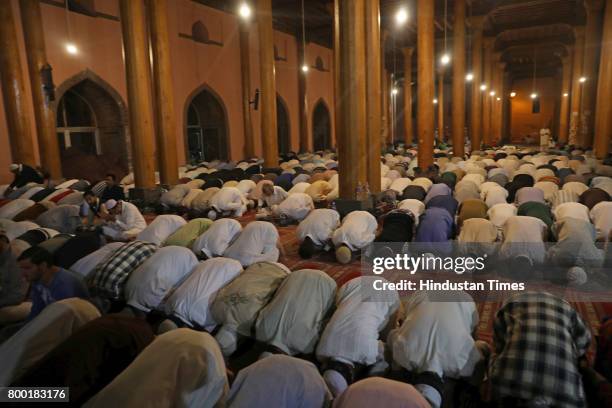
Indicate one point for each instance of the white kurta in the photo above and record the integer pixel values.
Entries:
(399, 184)
(152, 281)
(229, 199)
(575, 187)
(86, 265)
(14, 229)
(296, 206)
(256, 243)
(352, 333)
(319, 226)
(524, 235)
(416, 207)
(436, 336)
(499, 213)
(217, 238)
(601, 214)
(128, 224)
(299, 188)
(14, 207)
(51, 327)
(161, 228)
(181, 368)
(277, 197)
(191, 301)
(246, 186)
(572, 210)
(358, 230)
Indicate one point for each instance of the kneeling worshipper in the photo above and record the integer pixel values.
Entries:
(14, 207)
(63, 218)
(319, 190)
(523, 244)
(110, 275)
(217, 238)
(499, 214)
(258, 242)
(572, 210)
(85, 266)
(295, 207)
(537, 210)
(273, 195)
(12, 290)
(350, 340)
(416, 207)
(371, 391)
(478, 237)
(315, 231)
(174, 197)
(189, 305)
(436, 337)
(161, 228)
(470, 209)
(291, 322)
(237, 305)
(49, 283)
(124, 221)
(228, 202)
(538, 341)
(446, 202)
(91, 357)
(397, 226)
(39, 336)
(436, 228)
(357, 231)
(152, 281)
(288, 381)
(186, 235)
(601, 215)
(181, 368)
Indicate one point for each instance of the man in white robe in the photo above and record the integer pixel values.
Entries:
(85, 266)
(124, 221)
(316, 230)
(258, 242)
(228, 201)
(161, 228)
(295, 207)
(357, 231)
(601, 215)
(273, 195)
(524, 242)
(217, 238)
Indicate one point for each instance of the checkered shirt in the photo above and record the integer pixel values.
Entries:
(538, 339)
(110, 276)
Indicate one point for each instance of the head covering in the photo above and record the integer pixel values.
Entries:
(369, 392)
(14, 167)
(110, 204)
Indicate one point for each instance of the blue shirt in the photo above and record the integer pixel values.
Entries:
(64, 285)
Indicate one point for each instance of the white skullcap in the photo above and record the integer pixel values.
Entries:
(110, 204)
(13, 167)
(576, 276)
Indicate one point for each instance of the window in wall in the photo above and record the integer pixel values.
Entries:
(199, 32)
(76, 125)
(86, 7)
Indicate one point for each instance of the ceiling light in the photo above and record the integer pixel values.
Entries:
(394, 91)
(244, 11)
(483, 87)
(445, 59)
(582, 80)
(492, 93)
(435, 101)
(534, 95)
(401, 16)
(565, 94)
(72, 49)
(304, 68)
(498, 98)
(512, 94)
(469, 77)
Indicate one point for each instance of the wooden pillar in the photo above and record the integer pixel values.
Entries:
(385, 91)
(245, 74)
(440, 105)
(268, 87)
(13, 89)
(44, 115)
(351, 142)
(302, 94)
(603, 115)
(565, 99)
(476, 113)
(337, 92)
(458, 100)
(486, 99)
(592, 42)
(576, 95)
(391, 109)
(167, 159)
(425, 81)
(140, 98)
(408, 125)
(500, 95)
(373, 94)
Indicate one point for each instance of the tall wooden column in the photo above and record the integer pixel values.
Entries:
(337, 91)
(33, 36)
(302, 94)
(425, 81)
(268, 87)
(408, 125)
(351, 142)
(458, 100)
(373, 94)
(576, 95)
(476, 112)
(385, 91)
(440, 105)
(391, 100)
(565, 100)
(498, 101)
(167, 159)
(245, 76)
(592, 38)
(603, 115)
(13, 89)
(486, 99)
(140, 98)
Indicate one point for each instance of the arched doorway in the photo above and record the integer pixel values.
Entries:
(91, 130)
(206, 129)
(282, 126)
(321, 126)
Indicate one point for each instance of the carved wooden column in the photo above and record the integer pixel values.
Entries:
(425, 81)
(603, 115)
(458, 98)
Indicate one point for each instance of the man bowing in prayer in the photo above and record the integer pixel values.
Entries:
(123, 222)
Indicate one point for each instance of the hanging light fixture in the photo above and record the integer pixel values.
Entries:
(469, 77)
(244, 11)
(394, 91)
(483, 87)
(445, 59)
(492, 93)
(582, 80)
(512, 94)
(401, 16)
(304, 65)
(435, 101)
(71, 47)
(565, 94)
(534, 93)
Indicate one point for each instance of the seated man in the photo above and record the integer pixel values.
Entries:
(91, 207)
(538, 340)
(436, 337)
(189, 305)
(315, 231)
(258, 242)
(228, 202)
(291, 322)
(295, 207)
(273, 195)
(351, 338)
(357, 231)
(217, 238)
(124, 221)
(112, 191)
(237, 305)
(49, 283)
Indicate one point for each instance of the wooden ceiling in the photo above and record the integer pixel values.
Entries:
(525, 31)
